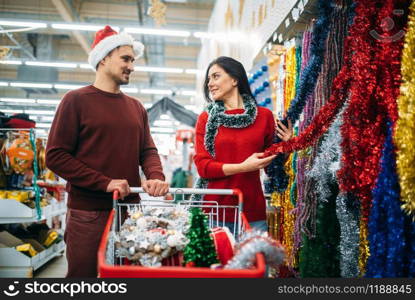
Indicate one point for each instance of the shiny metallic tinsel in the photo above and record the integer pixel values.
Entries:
(347, 211)
(254, 242)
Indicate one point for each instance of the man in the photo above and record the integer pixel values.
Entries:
(98, 139)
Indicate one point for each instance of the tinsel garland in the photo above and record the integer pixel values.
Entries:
(348, 214)
(390, 236)
(251, 243)
(276, 172)
(405, 127)
(218, 117)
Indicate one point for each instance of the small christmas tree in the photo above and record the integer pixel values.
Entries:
(200, 251)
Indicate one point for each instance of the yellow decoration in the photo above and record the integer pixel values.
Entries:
(363, 247)
(3, 52)
(260, 15)
(158, 12)
(291, 67)
(229, 16)
(241, 9)
(405, 128)
(52, 236)
(26, 249)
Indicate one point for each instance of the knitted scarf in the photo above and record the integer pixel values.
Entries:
(218, 117)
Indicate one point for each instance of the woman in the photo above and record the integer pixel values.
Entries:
(230, 138)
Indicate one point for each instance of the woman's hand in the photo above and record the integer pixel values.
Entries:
(283, 132)
(256, 162)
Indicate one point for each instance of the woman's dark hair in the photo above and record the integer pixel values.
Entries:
(234, 69)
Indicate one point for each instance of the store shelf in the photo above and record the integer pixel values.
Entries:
(12, 211)
(15, 264)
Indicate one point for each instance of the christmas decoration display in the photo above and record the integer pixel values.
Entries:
(405, 128)
(152, 234)
(200, 250)
(251, 243)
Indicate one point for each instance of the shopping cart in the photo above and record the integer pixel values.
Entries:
(110, 266)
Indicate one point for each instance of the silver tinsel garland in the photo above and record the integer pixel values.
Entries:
(251, 243)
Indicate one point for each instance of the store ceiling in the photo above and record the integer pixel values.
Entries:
(58, 45)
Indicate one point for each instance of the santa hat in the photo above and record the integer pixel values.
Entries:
(108, 39)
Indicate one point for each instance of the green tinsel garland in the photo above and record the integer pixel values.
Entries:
(200, 250)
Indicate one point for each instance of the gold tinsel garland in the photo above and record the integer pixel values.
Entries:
(363, 247)
(405, 128)
(284, 199)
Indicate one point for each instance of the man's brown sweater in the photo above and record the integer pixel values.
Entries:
(97, 136)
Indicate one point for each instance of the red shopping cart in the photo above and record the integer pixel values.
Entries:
(111, 267)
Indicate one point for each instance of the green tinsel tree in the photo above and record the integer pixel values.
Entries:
(200, 250)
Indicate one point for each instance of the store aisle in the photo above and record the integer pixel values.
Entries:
(56, 268)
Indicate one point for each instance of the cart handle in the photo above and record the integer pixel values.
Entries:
(186, 191)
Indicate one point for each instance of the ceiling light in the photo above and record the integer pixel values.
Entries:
(2, 83)
(163, 123)
(10, 62)
(46, 119)
(31, 85)
(158, 69)
(148, 105)
(161, 130)
(67, 86)
(50, 64)
(86, 66)
(40, 112)
(83, 27)
(156, 92)
(179, 33)
(23, 24)
(188, 93)
(129, 90)
(17, 100)
(201, 35)
(48, 101)
(164, 117)
(193, 71)
(43, 125)
(12, 111)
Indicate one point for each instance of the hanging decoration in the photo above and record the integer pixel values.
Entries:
(157, 11)
(405, 127)
(275, 171)
(391, 231)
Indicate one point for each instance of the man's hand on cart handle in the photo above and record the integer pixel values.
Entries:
(155, 187)
(121, 185)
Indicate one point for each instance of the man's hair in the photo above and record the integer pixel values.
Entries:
(109, 54)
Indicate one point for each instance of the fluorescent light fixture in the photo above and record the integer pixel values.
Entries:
(67, 86)
(179, 33)
(48, 101)
(31, 85)
(163, 123)
(129, 90)
(43, 125)
(86, 66)
(40, 112)
(161, 130)
(51, 64)
(82, 27)
(12, 111)
(47, 118)
(10, 62)
(148, 105)
(158, 69)
(23, 24)
(156, 92)
(2, 83)
(188, 93)
(18, 100)
(193, 71)
(164, 117)
(202, 35)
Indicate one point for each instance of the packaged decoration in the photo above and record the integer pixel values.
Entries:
(151, 234)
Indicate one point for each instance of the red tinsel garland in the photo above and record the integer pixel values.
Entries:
(358, 56)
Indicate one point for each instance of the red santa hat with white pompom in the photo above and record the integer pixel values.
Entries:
(108, 39)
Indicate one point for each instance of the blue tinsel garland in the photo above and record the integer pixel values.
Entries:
(278, 178)
(391, 231)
